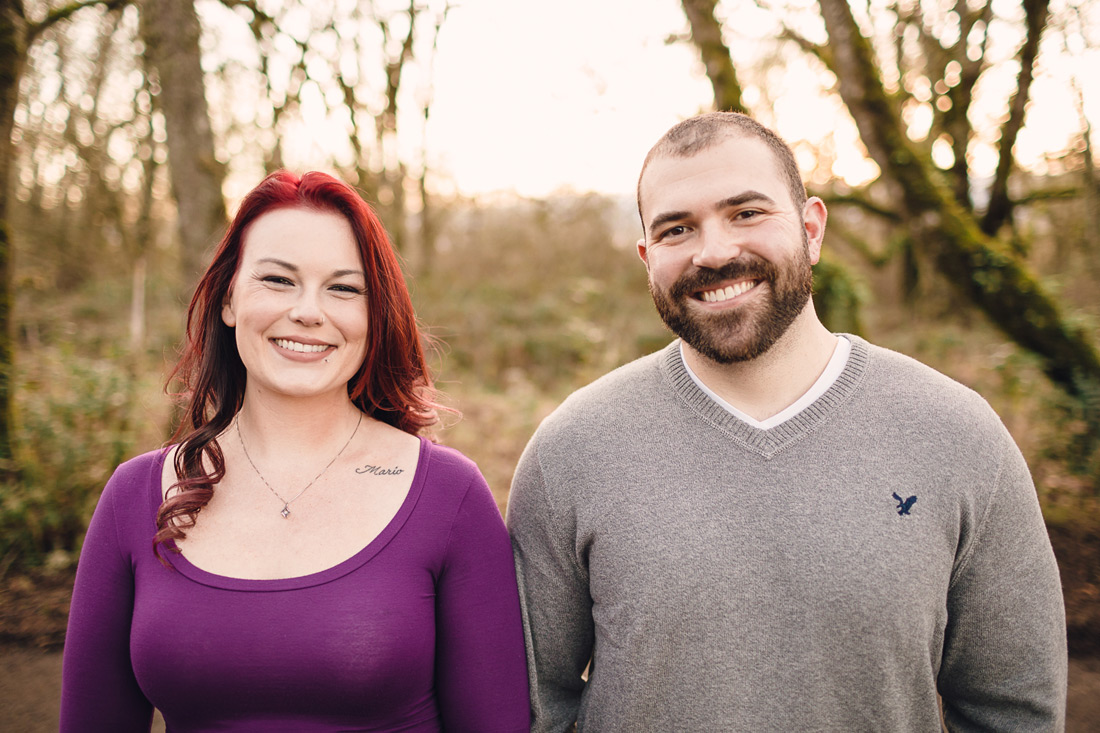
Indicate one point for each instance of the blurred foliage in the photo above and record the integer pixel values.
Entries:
(839, 296)
(549, 293)
(75, 425)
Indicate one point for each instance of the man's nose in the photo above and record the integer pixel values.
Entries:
(718, 245)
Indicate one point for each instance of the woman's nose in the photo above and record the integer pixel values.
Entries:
(307, 310)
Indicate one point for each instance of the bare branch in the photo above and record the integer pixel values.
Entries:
(1000, 207)
(1048, 194)
(862, 202)
(65, 12)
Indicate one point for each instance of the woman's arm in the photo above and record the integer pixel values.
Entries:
(480, 668)
(99, 691)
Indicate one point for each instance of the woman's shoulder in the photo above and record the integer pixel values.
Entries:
(451, 476)
(448, 458)
(132, 494)
(141, 469)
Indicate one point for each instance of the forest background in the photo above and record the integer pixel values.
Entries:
(951, 140)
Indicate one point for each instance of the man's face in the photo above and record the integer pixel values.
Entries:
(728, 254)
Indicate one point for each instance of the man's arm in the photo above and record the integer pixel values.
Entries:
(554, 595)
(1004, 657)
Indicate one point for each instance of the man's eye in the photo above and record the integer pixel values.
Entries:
(747, 214)
(675, 231)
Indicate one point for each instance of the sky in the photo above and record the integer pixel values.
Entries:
(542, 96)
(539, 97)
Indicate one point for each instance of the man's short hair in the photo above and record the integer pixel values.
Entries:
(695, 134)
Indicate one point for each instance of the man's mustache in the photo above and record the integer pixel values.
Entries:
(701, 278)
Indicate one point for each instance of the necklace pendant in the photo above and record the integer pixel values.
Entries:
(286, 504)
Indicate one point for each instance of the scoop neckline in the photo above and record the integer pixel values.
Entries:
(192, 572)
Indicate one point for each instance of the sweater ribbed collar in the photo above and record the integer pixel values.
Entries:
(773, 440)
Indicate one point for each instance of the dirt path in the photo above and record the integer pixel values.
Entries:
(30, 687)
(30, 691)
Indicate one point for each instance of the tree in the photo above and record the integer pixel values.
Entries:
(17, 35)
(347, 66)
(706, 34)
(171, 31)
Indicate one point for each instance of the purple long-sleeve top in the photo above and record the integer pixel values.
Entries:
(419, 631)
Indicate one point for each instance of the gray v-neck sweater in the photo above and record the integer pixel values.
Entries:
(832, 573)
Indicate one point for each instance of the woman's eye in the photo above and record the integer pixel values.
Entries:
(277, 280)
(350, 289)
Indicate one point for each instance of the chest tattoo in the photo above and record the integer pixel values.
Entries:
(380, 471)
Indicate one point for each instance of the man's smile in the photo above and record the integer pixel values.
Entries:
(729, 292)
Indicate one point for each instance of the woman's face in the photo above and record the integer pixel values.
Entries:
(298, 304)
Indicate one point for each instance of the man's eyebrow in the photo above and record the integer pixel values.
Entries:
(744, 198)
(733, 201)
(664, 218)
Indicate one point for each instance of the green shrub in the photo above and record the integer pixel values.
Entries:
(74, 427)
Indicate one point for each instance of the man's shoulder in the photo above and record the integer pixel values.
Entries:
(894, 366)
(915, 388)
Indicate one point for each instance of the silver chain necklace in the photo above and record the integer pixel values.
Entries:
(286, 502)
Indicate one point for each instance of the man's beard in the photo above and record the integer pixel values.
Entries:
(745, 332)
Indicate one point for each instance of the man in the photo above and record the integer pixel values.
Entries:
(766, 526)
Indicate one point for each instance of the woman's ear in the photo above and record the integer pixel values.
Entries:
(229, 318)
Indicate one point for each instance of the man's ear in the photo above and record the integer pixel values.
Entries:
(814, 216)
(643, 253)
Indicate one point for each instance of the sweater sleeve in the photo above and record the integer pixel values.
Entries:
(554, 594)
(480, 680)
(1004, 659)
(99, 690)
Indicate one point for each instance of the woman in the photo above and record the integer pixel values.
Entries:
(301, 560)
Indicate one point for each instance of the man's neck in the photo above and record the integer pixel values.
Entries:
(774, 380)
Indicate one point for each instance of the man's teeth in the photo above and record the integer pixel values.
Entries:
(730, 291)
(303, 348)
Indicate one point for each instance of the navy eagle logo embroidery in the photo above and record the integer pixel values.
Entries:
(904, 505)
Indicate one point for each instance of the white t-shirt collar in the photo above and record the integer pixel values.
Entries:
(832, 370)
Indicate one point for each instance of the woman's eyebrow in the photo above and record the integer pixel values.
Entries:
(280, 263)
(294, 268)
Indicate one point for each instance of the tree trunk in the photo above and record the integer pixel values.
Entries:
(983, 268)
(13, 55)
(706, 34)
(171, 31)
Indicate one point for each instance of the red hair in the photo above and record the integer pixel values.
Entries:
(392, 385)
